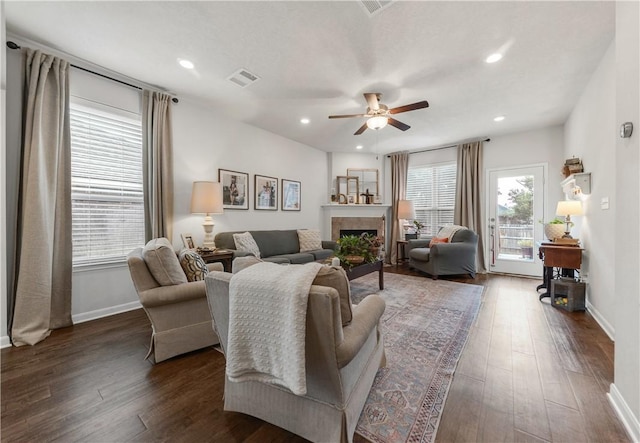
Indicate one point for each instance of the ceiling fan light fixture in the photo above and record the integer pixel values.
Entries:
(378, 122)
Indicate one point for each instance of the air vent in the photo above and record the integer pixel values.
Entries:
(243, 78)
(375, 6)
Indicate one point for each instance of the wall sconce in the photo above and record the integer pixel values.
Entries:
(206, 198)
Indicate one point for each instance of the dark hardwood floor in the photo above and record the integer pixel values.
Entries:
(528, 373)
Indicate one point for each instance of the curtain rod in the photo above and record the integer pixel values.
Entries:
(13, 45)
(439, 148)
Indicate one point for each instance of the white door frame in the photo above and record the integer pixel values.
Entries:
(545, 196)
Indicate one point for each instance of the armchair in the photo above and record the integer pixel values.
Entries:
(341, 363)
(179, 314)
(455, 257)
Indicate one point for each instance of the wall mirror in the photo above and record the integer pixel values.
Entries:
(367, 179)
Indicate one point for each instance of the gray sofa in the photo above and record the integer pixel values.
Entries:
(456, 257)
(277, 246)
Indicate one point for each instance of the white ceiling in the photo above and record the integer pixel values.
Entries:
(317, 58)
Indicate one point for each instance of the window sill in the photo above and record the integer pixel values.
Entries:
(84, 267)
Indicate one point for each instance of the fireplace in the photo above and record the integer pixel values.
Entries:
(341, 226)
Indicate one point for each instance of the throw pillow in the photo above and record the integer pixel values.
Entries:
(163, 263)
(245, 243)
(193, 265)
(309, 240)
(435, 240)
(337, 279)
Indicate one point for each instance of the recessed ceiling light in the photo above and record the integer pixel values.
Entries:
(499, 118)
(304, 121)
(186, 64)
(359, 147)
(493, 58)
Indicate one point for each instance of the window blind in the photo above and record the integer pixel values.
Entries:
(433, 191)
(106, 185)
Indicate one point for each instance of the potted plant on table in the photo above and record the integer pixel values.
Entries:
(553, 229)
(353, 250)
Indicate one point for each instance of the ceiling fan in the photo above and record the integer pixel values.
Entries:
(379, 115)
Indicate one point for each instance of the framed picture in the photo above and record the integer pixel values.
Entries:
(266, 193)
(290, 195)
(235, 189)
(187, 240)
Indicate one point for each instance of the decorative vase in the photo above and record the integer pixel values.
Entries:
(554, 230)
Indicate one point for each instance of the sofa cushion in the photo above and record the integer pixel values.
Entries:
(420, 254)
(309, 240)
(193, 265)
(327, 276)
(322, 254)
(245, 243)
(296, 259)
(163, 263)
(277, 242)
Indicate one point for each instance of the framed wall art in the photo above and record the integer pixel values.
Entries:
(290, 195)
(266, 193)
(235, 189)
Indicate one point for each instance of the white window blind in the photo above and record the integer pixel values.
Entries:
(433, 191)
(106, 184)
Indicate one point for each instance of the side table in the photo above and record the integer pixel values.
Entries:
(225, 256)
(401, 258)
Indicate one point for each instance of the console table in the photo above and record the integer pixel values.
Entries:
(568, 258)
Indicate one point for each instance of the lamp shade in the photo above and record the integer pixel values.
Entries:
(569, 207)
(206, 198)
(406, 210)
(378, 122)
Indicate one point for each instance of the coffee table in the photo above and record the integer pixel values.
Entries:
(367, 268)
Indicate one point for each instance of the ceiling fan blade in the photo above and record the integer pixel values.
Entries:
(361, 129)
(398, 124)
(411, 107)
(372, 100)
(347, 115)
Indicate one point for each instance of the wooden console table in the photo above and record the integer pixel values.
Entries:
(568, 258)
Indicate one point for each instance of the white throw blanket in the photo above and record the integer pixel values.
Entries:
(267, 323)
(449, 231)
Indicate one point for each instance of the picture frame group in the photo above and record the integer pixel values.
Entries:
(267, 189)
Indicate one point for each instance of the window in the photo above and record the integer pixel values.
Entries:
(106, 183)
(433, 191)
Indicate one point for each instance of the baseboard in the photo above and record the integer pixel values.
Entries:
(630, 422)
(5, 342)
(106, 312)
(604, 324)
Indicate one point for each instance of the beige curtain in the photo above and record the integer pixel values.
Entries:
(469, 205)
(158, 165)
(44, 249)
(399, 170)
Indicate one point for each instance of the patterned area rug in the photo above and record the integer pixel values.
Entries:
(425, 327)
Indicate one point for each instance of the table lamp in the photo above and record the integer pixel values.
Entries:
(567, 208)
(206, 198)
(406, 212)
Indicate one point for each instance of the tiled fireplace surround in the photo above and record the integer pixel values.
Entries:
(357, 223)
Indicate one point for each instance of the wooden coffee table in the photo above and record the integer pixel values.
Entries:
(367, 268)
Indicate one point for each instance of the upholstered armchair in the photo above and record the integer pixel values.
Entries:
(177, 308)
(341, 363)
(456, 256)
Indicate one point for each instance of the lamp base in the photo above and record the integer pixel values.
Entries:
(208, 242)
(567, 235)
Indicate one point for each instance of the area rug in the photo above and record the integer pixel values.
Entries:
(425, 327)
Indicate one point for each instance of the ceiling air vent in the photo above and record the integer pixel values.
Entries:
(243, 78)
(375, 6)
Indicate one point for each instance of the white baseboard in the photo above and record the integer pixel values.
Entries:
(88, 316)
(604, 324)
(630, 422)
(5, 342)
(100, 313)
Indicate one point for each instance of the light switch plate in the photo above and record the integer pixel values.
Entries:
(604, 203)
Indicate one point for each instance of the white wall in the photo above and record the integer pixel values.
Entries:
(625, 392)
(590, 135)
(205, 140)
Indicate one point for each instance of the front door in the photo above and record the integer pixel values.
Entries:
(516, 202)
